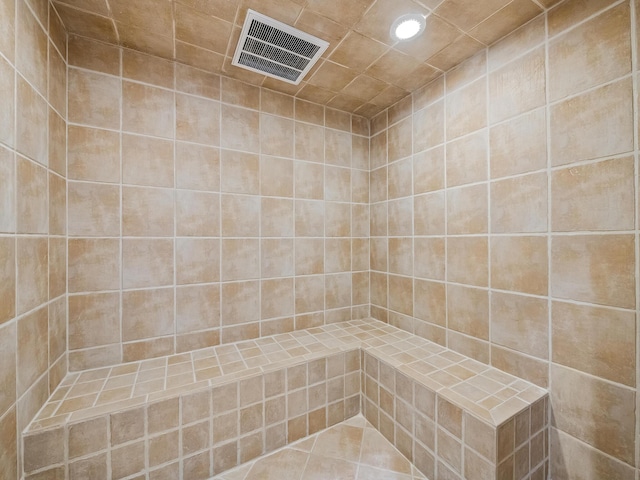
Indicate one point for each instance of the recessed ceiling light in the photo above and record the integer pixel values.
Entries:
(407, 26)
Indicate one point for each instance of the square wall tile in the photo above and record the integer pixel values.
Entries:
(147, 262)
(519, 145)
(147, 313)
(197, 308)
(147, 161)
(96, 99)
(197, 120)
(31, 184)
(57, 204)
(581, 197)
(594, 268)
(94, 209)
(8, 279)
(594, 340)
(520, 264)
(519, 204)
(517, 87)
(32, 284)
(520, 323)
(594, 53)
(147, 110)
(94, 319)
(93, 154)
(594, 411)
(466, 109)
(468, 311)
(94, 264)
(595, 124)
(147, 212)
(197, 167)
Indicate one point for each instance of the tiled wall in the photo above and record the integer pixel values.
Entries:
(504, 221)
(203, 210)
(33, 92)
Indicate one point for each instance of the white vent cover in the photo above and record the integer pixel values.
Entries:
(275, 49)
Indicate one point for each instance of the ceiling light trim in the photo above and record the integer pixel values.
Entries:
(407, 27)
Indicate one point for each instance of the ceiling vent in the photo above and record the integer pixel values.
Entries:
(277, 50)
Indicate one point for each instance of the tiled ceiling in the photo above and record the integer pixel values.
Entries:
(363, 71)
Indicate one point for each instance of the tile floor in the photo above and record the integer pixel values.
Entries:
(351, 450)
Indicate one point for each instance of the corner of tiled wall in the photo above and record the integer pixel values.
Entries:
(33, 285)
(204, 210)
(504, 221)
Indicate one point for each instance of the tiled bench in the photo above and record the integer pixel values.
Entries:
(197, 414)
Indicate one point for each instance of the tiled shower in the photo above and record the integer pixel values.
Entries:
(150, 208)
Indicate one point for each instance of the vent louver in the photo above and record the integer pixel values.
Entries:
(275, 49)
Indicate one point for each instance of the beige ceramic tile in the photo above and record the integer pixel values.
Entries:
(93, 154)
(147, 313)
(197, 260)
(504, 21)
(31, 46)
(238, 128)
(197, 120)
(399, 138)
(92, 55)
(520, 264)
(147, 212)
(467, 260)
(276, 136)
(147, 262)
(600, 50)
(32, 346)
(147, 69)
(31, 111)
(57, 205)
(141, 155)
(429, 258)
(595, 413)
(96, 101)
(94, 264)
(197, 167)
(576, 454)
(519, 145)
(31, 185)
(197, 213)
(428, 171)
(466, 109)
(594, 340)
(8, 290)
(467, 160)
(580, 125)
(7, 87)
(467, 210)
(94, 320)
(516, 43)
(594, 268)
(517, 87)
(520, 323)
(94, 209)
(429, 302)
(468, 311)
(581, 197)
(519, 205)
(32, 276)
(570, 13)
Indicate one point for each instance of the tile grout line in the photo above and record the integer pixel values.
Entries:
(635, 38)
(549, 213)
